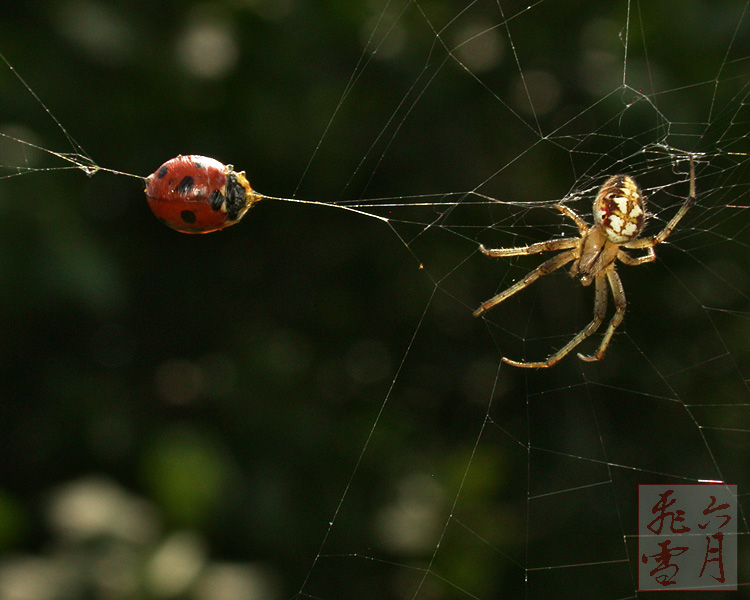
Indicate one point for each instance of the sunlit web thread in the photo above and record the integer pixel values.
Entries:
(365, 447)
(80, 158)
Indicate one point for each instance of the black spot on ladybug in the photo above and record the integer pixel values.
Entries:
(185, 185)
(198, 165)
(235, 196)
(188, 216)
(216, 199)
(162, 172)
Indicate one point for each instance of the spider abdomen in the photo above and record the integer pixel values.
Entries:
(619, 208)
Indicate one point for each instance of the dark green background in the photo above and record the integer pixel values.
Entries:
(232, 380)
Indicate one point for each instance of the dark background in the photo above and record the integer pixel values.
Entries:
(206, 399)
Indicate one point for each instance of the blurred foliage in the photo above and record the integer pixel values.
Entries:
(218, 390)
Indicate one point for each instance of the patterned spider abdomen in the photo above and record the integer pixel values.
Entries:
(620, 209)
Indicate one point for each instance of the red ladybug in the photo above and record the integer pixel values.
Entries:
(197, 194)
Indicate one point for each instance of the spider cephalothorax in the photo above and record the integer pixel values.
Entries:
(619, 216)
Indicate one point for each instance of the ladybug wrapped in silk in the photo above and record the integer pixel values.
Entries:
(197, 194)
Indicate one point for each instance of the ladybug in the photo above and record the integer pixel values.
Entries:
(197, 194)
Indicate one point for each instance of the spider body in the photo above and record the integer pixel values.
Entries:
(619, 217)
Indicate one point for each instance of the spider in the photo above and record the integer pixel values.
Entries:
(619, 216)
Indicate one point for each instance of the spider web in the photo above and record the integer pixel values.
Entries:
(459, 476)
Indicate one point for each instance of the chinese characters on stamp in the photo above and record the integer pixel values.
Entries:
(687, 537)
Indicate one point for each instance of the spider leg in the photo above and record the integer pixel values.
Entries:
(549, 245)
(618, 293)
(545, 268)
(600, 310)
(571, 214)
(634, 261)
(650, 242)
